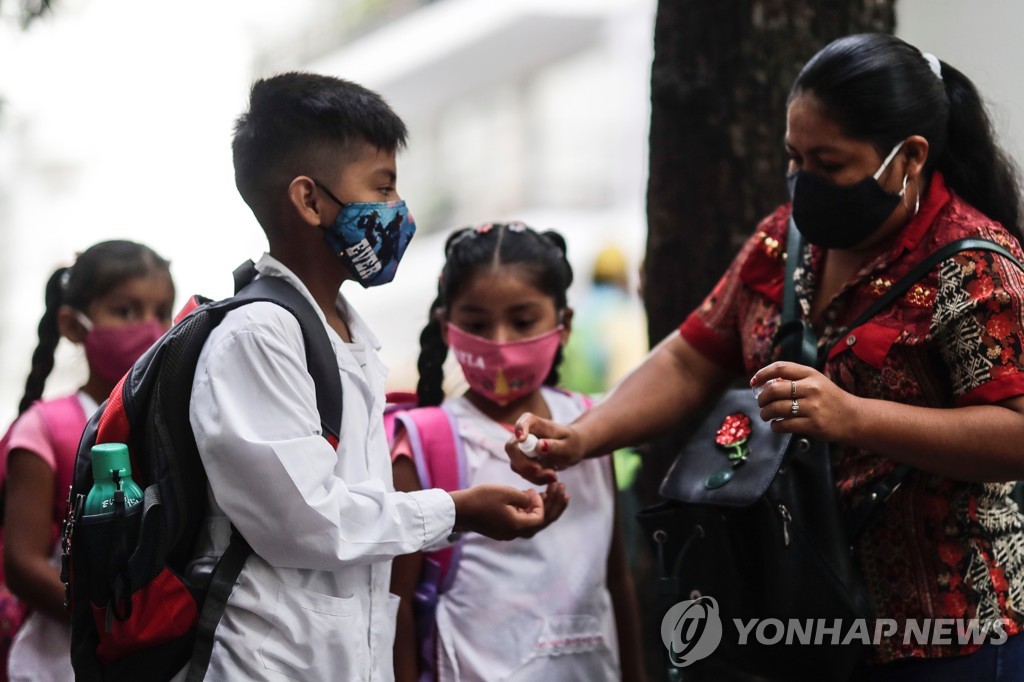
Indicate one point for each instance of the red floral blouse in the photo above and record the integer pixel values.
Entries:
(938, 548)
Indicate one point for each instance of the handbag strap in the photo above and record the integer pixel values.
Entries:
(795, 338)
(883, 489)
(794, 244)
(915, 274)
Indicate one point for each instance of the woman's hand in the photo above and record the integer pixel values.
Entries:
(558, 447)
(799, 399)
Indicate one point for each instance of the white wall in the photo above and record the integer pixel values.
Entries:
(981, 38)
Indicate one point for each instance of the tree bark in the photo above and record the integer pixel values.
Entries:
(719, 83)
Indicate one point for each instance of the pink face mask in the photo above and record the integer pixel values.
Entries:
(503, 372)
(111, 351)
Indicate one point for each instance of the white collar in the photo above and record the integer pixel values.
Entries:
(270, 266)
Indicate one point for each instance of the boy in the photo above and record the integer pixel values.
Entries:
(315, 161)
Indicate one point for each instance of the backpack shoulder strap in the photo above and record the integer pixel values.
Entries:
(440, 460)
(323, 367)
(64, 418)
(437, 450)
(919, 271)
(320, 356)
(439, 457)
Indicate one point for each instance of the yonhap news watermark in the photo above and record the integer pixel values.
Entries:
(691, 630)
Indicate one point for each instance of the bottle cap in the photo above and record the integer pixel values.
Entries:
(529, 445)
(106, 457)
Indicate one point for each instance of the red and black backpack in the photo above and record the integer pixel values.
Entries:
(135, 612)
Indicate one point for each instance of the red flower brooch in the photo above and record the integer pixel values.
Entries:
(732, 435)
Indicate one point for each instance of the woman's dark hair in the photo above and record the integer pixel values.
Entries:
(540, 256)
(881, 89)
(95, 273)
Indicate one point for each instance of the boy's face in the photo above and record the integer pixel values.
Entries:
(355, 213)
(370, 175)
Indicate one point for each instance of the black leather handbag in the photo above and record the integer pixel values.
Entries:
(765, 539)
(764, 535)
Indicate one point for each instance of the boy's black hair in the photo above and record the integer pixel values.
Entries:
(540, 256)
(95, 273)
(297, 124)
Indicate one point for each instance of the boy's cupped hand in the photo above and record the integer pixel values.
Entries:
(504, 513)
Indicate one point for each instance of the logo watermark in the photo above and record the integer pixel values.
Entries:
(692, 630)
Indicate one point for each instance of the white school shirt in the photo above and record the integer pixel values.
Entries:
(312, 602)
(533, 608)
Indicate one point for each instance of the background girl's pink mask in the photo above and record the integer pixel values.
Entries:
(504, 371)
(111, 351)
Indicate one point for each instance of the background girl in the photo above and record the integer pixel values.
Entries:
(116, 300)
(550, 607)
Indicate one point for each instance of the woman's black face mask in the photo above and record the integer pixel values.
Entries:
(841, 216)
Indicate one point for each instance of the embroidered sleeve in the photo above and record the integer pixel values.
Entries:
(713, 328)
(979, 323)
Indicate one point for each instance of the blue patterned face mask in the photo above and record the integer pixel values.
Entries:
(370, 237)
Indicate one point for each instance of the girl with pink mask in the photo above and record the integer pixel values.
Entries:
(116, 300)
(558, 605)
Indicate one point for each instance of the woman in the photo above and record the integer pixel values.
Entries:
(891, 157)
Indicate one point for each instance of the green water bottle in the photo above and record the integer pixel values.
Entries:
(112, 486)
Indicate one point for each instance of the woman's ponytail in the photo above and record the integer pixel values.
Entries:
(971, 162)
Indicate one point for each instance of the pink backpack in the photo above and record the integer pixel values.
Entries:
(64, 420)
(440, 463)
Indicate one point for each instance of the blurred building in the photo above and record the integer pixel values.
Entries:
(119, 116)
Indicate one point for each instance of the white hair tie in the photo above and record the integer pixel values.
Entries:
(933, 63)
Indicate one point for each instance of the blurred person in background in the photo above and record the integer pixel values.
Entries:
(116, 300)
(609, 339)
(610, 331)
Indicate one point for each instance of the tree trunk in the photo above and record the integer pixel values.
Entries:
(721, 75)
